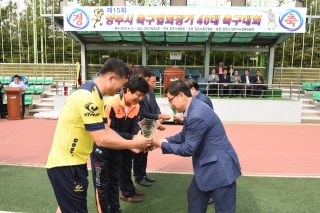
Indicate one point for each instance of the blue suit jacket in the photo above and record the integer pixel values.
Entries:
(149, 110)
(205, 99)
(215, 162)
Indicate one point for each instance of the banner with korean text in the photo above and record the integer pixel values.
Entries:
(197, 19)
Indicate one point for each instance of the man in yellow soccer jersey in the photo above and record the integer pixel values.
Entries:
(81, 122)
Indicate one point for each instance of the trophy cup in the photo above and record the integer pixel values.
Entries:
(148, 126)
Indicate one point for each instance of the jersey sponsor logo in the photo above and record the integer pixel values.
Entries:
(91, 110)
(74, 144)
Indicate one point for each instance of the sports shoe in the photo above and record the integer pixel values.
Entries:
(210, 201)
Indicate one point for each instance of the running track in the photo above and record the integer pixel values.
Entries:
(263, 149)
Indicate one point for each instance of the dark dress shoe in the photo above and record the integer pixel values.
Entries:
(134, 199)
(150, 179)
(143, 182)
(138, 192)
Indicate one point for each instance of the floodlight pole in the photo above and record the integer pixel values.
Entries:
(207, 60)
(270, 64)
(83, 62)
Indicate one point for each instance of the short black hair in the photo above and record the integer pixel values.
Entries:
(16, 76)
(192, 83)
(178, 86)
(141, 71)
(115, 66)
(136, 83)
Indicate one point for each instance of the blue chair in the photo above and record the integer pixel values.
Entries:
(195, 74)
(186, 74)
(251, 73)
(202, 87)
(157, 73)
(241, 72)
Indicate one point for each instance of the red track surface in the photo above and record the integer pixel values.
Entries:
(263, 149)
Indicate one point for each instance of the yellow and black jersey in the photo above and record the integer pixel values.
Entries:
(82, 112)
(125, 124)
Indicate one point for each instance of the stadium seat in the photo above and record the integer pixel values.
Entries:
(1, 79)
(186, 74)
(202, 88)
(316, 96)
(157, 73)
(6, 80)
(315, 84)
(28, 100)
(4, 87)
(32, 80)
(251, 73)
(48, 81)
(30, 90)
(307, 86)
(39, 89)
(241, 72)
(40, 81)
(195, 74)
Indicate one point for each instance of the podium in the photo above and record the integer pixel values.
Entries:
(172, 74)
(14, 103)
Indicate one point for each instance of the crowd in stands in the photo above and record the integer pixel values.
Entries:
(232, 84)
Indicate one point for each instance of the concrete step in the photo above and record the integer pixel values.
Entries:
(308, 107)
(45, 106)
(310, 113)
(47, 100)
(310, 119)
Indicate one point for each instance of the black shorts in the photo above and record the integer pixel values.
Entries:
(70, 185)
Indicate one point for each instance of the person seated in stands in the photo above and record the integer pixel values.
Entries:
(194, 88)
(247, 80)
(219, 69)
(213, 79)
(230, 70)
(236, 80)
(18, 83)
(225, 84)
(257, 79)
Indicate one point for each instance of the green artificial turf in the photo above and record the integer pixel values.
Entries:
(27, 189)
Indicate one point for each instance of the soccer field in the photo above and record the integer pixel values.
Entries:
(28, 190)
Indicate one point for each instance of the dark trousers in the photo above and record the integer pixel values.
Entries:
(223, 88)
(263, 89)
(237, 88)
(224, 198)
(246, 88)
(70, 186)
(213, 89)
(106, 169)
(140, 165)
(126, 185)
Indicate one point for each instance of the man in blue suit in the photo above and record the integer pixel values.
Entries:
(194, 89)
(215, 162)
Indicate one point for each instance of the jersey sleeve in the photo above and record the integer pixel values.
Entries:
(91, 110)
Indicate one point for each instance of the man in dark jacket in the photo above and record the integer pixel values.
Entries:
(247, 80)
(257, 79)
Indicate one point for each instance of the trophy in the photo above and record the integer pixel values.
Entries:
(148, 126)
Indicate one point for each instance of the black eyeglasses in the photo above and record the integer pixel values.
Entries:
(170, 99)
